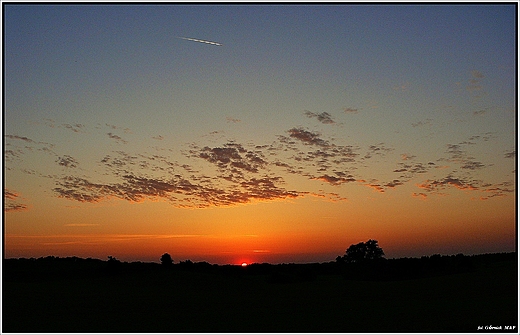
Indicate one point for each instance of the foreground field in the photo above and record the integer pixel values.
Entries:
(183, 300)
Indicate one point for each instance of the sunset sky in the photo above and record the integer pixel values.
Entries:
(309, 129)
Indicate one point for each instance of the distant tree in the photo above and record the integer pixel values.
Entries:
(373, 250)
(166, 260)
(355, 253)
(363, 251)
(187, 264)
(113, 264)
(113, 260)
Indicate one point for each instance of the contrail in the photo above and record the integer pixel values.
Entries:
(202, 41)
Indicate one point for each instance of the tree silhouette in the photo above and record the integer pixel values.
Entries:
(363, 251)
(373, 250)
(113, 264)
(166, 260)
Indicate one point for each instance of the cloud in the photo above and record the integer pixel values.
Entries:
(22, 138)
(324, 117)
(376, 187)
(74, 127)
(335, 180)
(511, 154)
(232, 173)
(15, 151)
(377, 149)
(427, 122)
(324, 157)
(232, 120)
(238, 179)
(477, 74)
(11, 156)
(486, 137)
(474, 83)
(11, 202)
(420, 168)
(455, 151)
(472, 165)
(232, 157)
(435, 186)
(419, 195)
(406, 157)
(402, 87)
(11, 207)
(111, 126)
(117, 138)
(67, 161)
(179, 191)
(408, 171)
(498, 190)
(79, 189)
(394, 183)
(307, 137)
(265, 189)
(10, 195)
(349, 110)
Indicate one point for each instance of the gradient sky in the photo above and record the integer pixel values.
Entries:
(310, 129)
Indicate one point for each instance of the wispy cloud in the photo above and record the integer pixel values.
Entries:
(420, 195)
(232, 173)
(474, 85)
(472, 165)
(448, 181)
(22, 138)
(377, 149)
(335, 180)
(232, 120)
(374, 185)
(511, 154)
(12, 203)
(350, 110)
(232, 157)
(117, 138)
(402, 87)
(324, 117)
(179, 191)
(67, 161)
(426, 122)
(479, 112)
(307, 137)
(406, 157)
(114, 127)
(74, 127)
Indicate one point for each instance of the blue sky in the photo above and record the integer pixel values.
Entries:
(314, 101)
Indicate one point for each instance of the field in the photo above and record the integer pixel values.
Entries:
(298, 298)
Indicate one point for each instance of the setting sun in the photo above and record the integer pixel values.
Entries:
(244, 264)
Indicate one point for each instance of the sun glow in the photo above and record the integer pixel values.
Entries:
(244, 264)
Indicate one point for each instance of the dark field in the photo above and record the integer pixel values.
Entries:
(449, 294)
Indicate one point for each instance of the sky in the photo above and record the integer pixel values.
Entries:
(301, 130)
